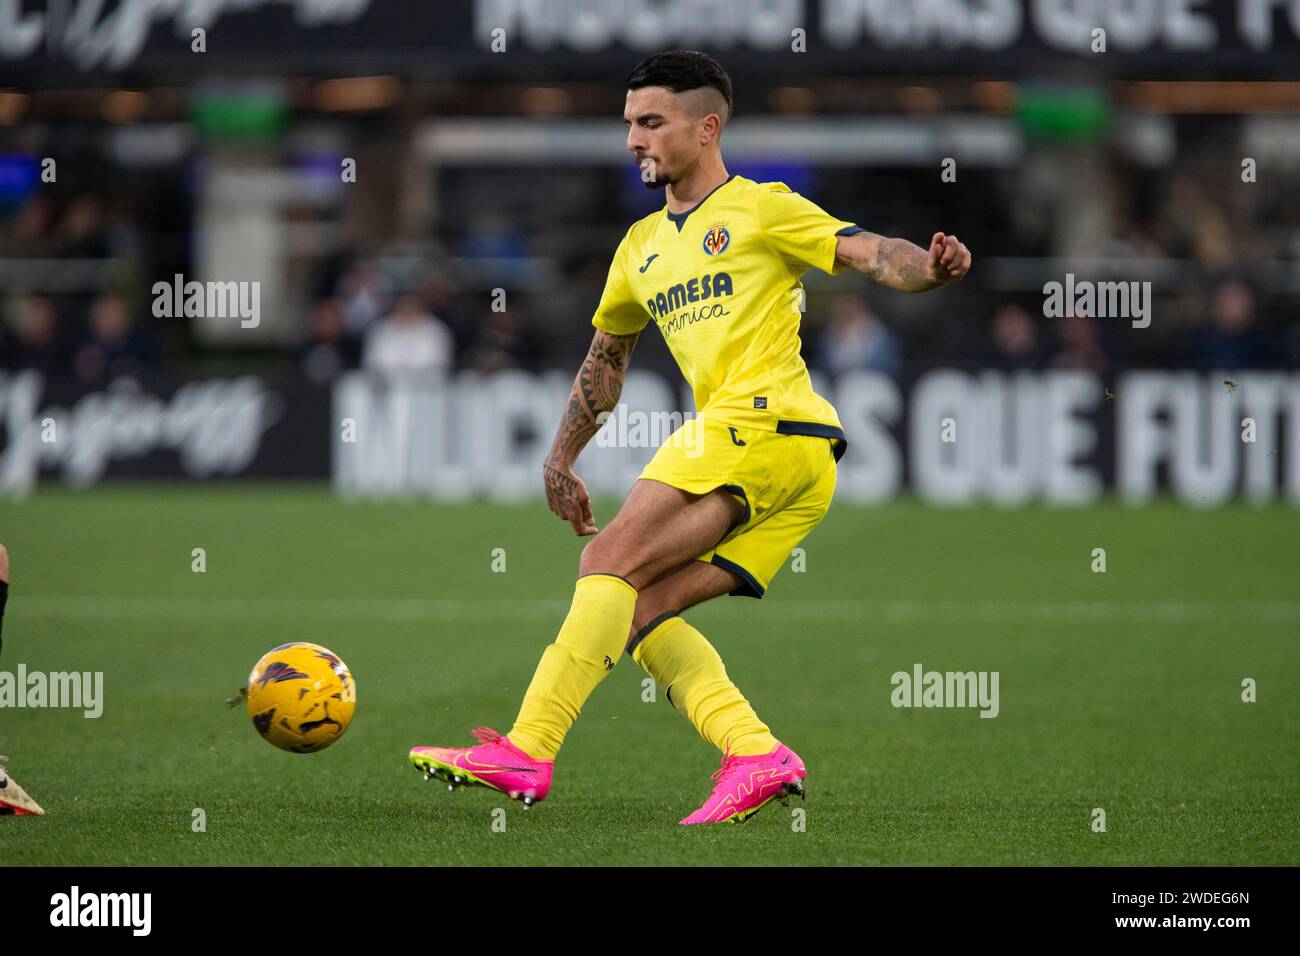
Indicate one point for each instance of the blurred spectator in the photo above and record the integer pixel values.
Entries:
(81, 234)
(1193, 224)
(439, 295)
(409, 340)
(1015, 340)
(329, 350)
(365, 294)
(856, 339)
(122, 232)
(30, 233)
(503, 342)
(1232, 341)
(36, 341)
(114, 345)
(1080, 345)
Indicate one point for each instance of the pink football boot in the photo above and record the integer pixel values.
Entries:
(13, 798)
(496, 763)
(747, 784)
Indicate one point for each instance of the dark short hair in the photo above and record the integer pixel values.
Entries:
(682, 70)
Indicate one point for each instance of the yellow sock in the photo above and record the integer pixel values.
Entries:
(588, 646)
(686, 665)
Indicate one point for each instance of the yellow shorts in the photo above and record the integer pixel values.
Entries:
(784, 478)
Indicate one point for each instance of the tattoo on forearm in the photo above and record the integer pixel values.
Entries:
(601, 376)
(595, 390)
(901, 265)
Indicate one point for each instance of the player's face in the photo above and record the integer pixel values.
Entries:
(662, 136)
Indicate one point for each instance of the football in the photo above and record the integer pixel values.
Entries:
(301, 697)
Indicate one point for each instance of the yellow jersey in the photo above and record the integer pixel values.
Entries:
(721, 281)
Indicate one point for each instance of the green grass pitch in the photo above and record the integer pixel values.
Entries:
(1119, 691)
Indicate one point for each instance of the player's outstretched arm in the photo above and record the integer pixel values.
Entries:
(902, 265)
(595, 391)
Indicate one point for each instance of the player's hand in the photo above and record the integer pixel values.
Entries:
(949, 258)
(567, 497)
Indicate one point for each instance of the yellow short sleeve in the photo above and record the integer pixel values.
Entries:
(800, 230)
(619, 313)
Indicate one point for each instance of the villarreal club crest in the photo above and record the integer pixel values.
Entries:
(716, 240)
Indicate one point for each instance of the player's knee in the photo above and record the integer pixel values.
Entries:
(4, 563)
(590, 558)
(602, 555)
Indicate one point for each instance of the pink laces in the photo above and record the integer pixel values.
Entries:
(728, 758)
(487, 735)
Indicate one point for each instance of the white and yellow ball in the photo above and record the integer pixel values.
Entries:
(301, 697)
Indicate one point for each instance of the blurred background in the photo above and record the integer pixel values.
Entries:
(428, 196)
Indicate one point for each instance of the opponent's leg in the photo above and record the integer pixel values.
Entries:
(657, 528)
(4, 590)
(13, 798)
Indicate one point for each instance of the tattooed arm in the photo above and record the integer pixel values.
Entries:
(595, 390)
(903, 266)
